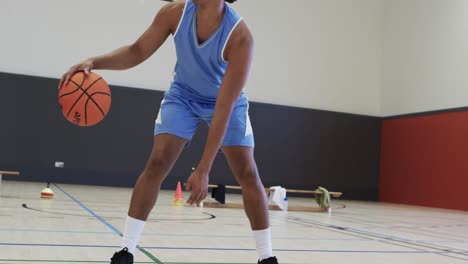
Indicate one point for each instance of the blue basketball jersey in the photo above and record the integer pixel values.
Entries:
(200, 67)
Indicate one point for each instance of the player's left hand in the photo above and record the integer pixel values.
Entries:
(198, 184)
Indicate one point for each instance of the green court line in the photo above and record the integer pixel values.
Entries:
(149, 255)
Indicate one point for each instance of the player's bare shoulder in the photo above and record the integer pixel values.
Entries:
(240, 37)
(171, 13)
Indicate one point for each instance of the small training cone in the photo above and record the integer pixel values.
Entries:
(47, 193)
(178, 196)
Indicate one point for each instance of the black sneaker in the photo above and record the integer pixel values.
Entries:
(271, 260)
(124, 257)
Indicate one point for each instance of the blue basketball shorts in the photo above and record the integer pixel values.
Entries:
(181, 117)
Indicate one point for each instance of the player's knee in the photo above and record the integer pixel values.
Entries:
(157, 164)
(249, 176)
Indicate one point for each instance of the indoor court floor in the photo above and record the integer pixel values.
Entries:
(82, 225)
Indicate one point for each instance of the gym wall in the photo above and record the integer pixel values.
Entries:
(295, 147)
(425, 99)
(425, 56)
(423, 160)
(322, 54)
(319, 54)
(387, 58)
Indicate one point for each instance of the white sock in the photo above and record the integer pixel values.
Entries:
(263, 243)
(131, 236)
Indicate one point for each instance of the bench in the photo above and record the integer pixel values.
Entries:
(6, 173)
(271, 206)
(332, 194)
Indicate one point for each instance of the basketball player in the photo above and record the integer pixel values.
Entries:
(214, 54)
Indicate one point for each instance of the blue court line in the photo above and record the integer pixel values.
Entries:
(445, 251)
(90, 211)
(211, 236)
(176, 235)
(237, 249)
(149, 255)
(362, 232)
(57, 245)
(250, 237)
(52, 231)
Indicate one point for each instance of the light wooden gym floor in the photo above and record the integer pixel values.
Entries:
(81, 225)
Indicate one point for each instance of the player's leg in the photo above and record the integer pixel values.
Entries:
(166, 150)
(242, 162)
(174, 127)
(238, 147)
(244, 168)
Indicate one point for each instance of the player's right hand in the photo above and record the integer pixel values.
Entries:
(198, 184)
(85, 66)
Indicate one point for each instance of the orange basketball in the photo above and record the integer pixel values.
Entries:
(85, 100)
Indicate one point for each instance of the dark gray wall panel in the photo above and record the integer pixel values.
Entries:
(296, 147)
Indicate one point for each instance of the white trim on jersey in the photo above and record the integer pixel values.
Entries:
(228, 37)
(248, 125)
(181, 18)
(159, 118)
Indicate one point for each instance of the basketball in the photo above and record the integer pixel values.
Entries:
(85, 100)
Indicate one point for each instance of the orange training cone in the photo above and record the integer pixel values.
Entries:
(178, 196)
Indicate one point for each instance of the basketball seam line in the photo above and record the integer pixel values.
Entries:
(84, 92)
(78, 87)
(90, 97)
(74, 91)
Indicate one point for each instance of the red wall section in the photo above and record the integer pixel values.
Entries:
(424, 161)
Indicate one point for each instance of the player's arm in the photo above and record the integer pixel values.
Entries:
(129, 56)
(239, 53)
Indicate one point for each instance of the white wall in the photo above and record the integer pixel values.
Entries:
(322, 54)
(425, 56)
